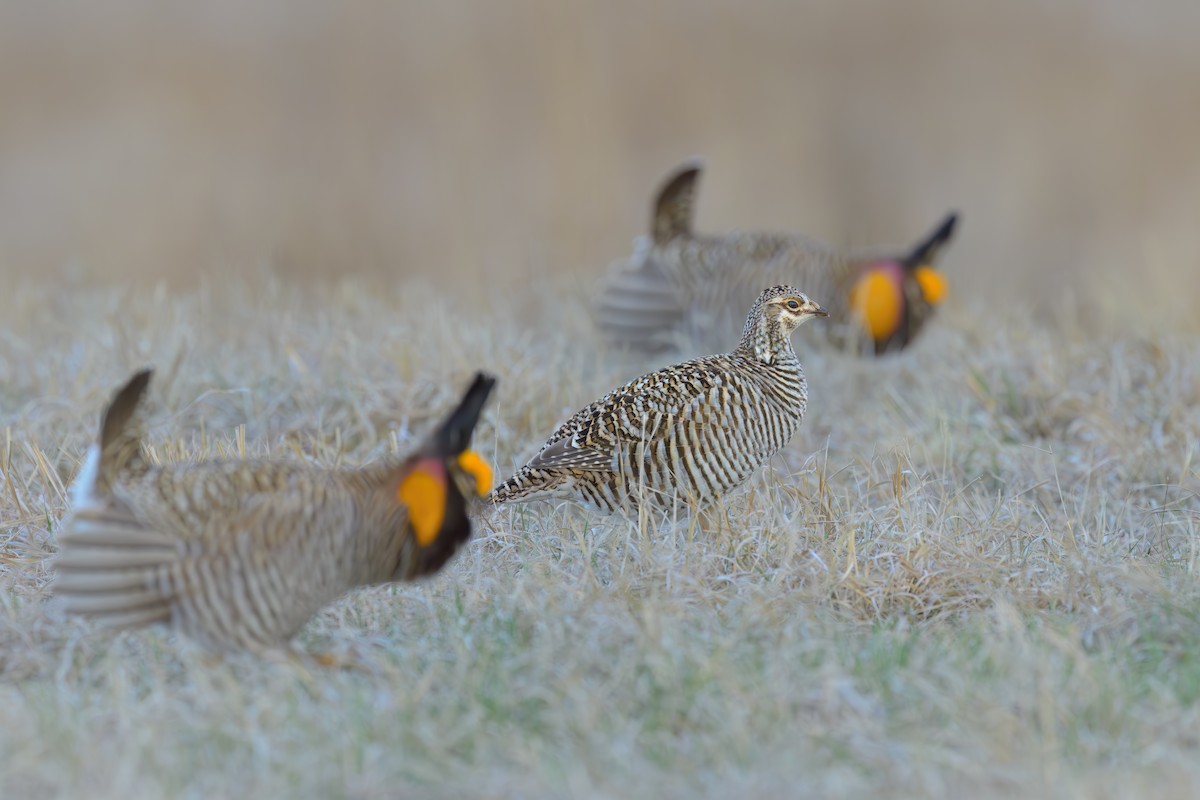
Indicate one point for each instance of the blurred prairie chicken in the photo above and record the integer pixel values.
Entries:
(682, 288)
(686, 433)
(239, 554)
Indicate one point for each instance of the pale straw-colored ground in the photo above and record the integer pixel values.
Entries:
(974, 570)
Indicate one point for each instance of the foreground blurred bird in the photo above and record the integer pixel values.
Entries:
(684, 434)
(239, 554)
(682, 288)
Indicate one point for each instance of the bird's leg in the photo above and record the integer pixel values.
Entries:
(706, 524)
(328, 659)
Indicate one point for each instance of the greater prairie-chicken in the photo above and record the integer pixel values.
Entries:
(680, 288)
(239, 554)
(685, 434)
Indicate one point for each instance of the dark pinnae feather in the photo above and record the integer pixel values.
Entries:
(454, 434)
(927, 249)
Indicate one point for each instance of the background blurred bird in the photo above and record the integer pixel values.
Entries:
(684, 434)
(239, 554)
(683, 290)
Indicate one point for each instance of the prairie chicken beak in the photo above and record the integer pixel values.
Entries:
(816, 310)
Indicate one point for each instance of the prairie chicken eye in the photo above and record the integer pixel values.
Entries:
(793, 305)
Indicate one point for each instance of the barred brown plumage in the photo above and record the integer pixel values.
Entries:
(239, 554)
(682, 289)
(684, 434)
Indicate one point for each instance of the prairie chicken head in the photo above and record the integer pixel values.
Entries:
(891, 299)
(789, 308)
(776, 313)
(442, 480)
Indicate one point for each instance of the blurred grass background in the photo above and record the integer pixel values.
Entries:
(524, 139)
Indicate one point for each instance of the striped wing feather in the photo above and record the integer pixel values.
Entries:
(598, 438)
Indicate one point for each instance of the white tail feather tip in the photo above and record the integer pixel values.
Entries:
(83, 490)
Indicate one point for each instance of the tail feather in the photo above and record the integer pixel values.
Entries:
(111, 601)
(640, 307)
(121, 433)
(99, 556)
(111, 568)
(82, 582)
(123, 408)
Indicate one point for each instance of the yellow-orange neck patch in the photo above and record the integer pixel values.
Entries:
(877, 301)
(423, 492)
(473, 464)
(933, 285)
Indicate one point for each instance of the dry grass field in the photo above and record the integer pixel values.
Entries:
(968, 570)
(975, 571)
